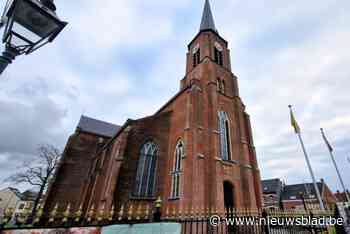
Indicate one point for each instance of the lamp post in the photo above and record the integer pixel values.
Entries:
(29, 25)
(157, 213)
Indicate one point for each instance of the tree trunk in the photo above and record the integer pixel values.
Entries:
(37, 200)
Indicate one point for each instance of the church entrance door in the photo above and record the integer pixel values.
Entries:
(229, 202)
(228, 195)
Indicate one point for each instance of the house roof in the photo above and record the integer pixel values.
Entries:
(14, 190)
(295, 189)
(271, 186)
(341, 196)
(29, 195)
(97, 127)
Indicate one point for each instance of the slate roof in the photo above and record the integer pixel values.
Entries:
(14, 190)
(207, 18)
(291, 191)
(271, 186)
(29, 195)
(98, 127)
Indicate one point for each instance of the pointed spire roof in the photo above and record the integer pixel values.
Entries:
(207, 18)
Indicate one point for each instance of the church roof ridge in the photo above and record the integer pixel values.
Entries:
(99, 127)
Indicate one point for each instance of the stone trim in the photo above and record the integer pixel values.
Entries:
(229, 162)
(119, 159)
(173, 198)
(247, 166)
(142, 198)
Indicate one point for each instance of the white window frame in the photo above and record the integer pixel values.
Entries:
(149, 155)
(224, 130)
(177, 169)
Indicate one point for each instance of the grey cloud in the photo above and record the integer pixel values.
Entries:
(29, 117)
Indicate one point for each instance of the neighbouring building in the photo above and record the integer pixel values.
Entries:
(26, 203)
(197, 150)
(9, 198)
(299, 196)
(272, 191)
(343, 206)
(341, 196)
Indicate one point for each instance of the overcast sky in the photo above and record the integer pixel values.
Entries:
(125, 58)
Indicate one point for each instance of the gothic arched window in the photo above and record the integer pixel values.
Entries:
(175, 179)
(196, 58)
(196, 55)
(218, 54)
(218, 84)
(223, 87)
(225, 142)
(146, 170)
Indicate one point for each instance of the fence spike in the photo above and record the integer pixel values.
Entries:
(138, 212)
(147, 212)
(174, 212)
(223, 212)
(8, 215)
(130, 212)
(167, 212)
(121, 213)
(101, 213)
(180, 212)
(39, 213)
(192, 212)
(78, 214)
(53, 213)
(111, 213)
(91, 213)
(66, 214)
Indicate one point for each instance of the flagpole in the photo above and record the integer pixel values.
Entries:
(311, 172)
(308, 162)
(335, 164)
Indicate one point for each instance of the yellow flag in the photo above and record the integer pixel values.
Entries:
(294, 122)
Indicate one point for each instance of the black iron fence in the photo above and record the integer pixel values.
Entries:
(193, 220)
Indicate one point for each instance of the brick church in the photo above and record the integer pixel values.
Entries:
(197, 150)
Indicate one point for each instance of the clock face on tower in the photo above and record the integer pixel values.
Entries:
(218, 46)
(195, 49)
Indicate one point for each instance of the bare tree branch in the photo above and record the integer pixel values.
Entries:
(39, 171)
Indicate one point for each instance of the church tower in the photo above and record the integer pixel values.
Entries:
(222, 171)
(196, 151)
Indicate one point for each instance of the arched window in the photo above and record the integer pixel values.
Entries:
(218, 54)
(218, 84)
(225, 142)
(175, 181)
(223, 87)
(196, 54)
(146, 170)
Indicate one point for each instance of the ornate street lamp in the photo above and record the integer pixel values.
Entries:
(29, 25)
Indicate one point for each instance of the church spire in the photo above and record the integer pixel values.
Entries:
(207, 18)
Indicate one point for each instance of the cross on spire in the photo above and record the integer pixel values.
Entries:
(207, 18)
